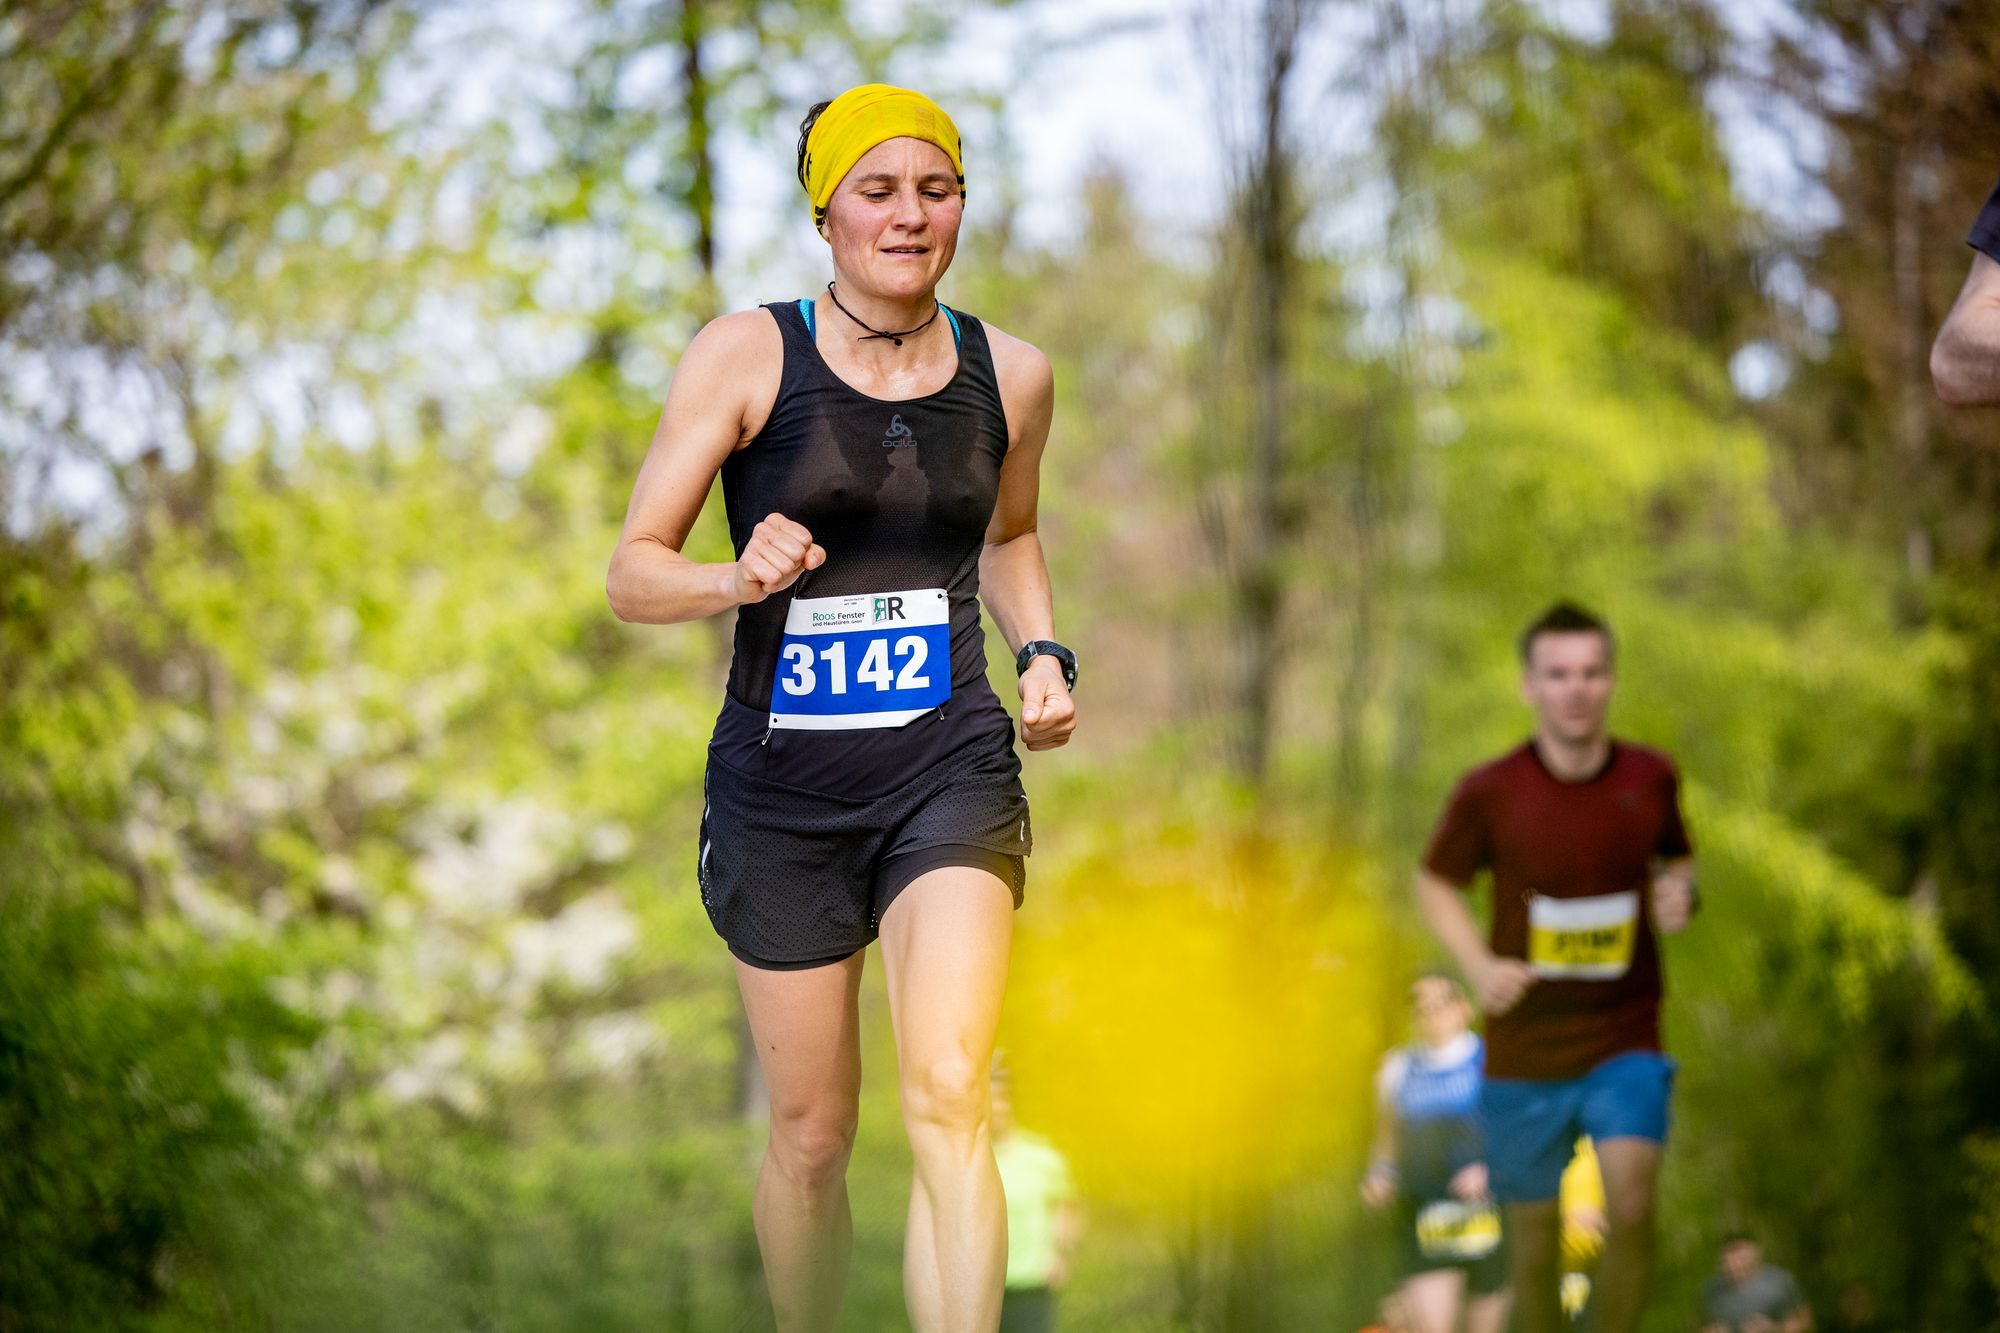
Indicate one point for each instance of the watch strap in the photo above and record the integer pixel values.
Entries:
(1047, 648)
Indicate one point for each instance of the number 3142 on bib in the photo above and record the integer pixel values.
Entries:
(869, 660)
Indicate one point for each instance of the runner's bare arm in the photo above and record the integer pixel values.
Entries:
(1470, 1182)
(1499, 983)
(722, 391)
(1965, 359)
(1378, 1186)
(1013, 575)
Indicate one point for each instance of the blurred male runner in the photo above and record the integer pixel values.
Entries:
(1589, 858)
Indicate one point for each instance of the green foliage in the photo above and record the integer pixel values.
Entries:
(353, 973)
(129, 1062)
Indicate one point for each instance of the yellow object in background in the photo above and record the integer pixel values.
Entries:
(1582, 1203)
(1575, 1293)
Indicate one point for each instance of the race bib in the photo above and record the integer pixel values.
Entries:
(1458, 1231)
(870, 660)
(1582, 939)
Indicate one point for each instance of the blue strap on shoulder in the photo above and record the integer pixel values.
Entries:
(805, 304)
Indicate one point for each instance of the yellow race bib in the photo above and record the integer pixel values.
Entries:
(1454, 1231)
(1582, 939)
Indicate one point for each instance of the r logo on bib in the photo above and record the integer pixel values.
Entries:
(869, 660)
(1582, 939)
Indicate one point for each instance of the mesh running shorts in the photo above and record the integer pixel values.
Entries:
(807, 837)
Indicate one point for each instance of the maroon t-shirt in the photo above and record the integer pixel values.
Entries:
(1589, 850)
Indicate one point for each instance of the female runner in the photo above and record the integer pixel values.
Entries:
(879, 455)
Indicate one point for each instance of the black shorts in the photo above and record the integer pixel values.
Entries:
(1484, 1274)
(808, 836)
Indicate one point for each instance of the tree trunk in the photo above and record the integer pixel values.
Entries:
(1271, 229)
(700, 199)
(1912, 406)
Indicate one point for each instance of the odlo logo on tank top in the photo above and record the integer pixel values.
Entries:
(898, 436)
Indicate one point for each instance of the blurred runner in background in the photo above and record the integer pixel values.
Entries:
(1590, 863)
(1043, 1218)
(1428, 1164)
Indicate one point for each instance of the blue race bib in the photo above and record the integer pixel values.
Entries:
(870, 660)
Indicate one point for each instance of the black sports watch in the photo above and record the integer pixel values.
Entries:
(1034, 648)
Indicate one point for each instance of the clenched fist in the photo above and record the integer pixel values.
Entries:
(778, 551)
(1673, 902)
(1047, 713)
(1500, 983)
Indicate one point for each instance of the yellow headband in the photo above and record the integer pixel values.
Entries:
(856, 121)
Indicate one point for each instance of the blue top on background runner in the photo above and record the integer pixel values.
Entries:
(1435, 1094)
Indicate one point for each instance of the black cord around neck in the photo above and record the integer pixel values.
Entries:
(873, 332)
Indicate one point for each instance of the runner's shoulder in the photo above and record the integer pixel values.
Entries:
(1019, 365)
(736, 339)
(1390, 1076)
(734, 366)
(1499, 771)
(1648, 759)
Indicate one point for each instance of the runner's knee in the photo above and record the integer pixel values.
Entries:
(947, 1092)
(810, 1143)
(1630, 1210)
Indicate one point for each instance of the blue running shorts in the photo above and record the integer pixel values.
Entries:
(1532, 1124)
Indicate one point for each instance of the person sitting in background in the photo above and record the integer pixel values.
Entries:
(1965, 359)
(1751, 1296)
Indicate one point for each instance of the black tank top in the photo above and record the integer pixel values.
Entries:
(899, 493)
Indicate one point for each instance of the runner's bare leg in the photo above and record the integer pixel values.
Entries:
(1618, 1298)
(807, 1030)
(945, 944)
(1534, 1231)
